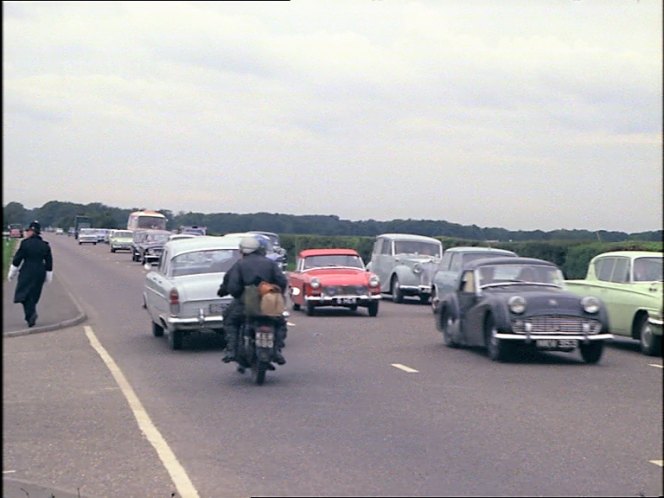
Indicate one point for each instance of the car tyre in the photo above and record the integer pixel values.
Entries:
(296, 307)
(591, 353)
(175, 339)
(373, 308)
(497, 349)
(444, 321)
(310, 308)
(157, 330)
(425, 298)
(651, 344)
(397, 293)
(112, 250)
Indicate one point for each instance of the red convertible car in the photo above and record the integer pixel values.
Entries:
(333, 277)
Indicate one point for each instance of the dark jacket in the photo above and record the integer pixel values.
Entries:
(251, 270)
(35, 254)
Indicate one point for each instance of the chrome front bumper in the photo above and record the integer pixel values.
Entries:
(528, 338)
(338, 300)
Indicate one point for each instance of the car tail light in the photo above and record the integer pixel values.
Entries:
(174, 301)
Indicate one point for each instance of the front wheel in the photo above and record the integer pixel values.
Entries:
(373, 308)
(651, 344)
(157, 330)
(445, 323)
(591, 353)
(310, 308)
(497, 349)
(397, 293)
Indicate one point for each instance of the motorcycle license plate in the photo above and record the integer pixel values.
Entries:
(555, 344)
(264, 339)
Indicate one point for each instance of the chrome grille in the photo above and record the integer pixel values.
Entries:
(341, 290)
(556, 324)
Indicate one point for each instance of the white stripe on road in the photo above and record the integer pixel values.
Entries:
(404, 368)
(168, 458)
(8, 471)
(655, 365)
(658, 462)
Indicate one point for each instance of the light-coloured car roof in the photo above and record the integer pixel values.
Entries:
(199, 243)
(407, 236)
(478, 249)
(632, 254)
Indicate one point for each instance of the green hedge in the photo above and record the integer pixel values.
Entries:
(571, 256)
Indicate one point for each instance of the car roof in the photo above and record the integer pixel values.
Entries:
(632, 254)
(327, 252)
(408, 236)
(493, 250)
(507, 260)
(200, 243)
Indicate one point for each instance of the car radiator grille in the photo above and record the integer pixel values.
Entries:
(354, 290)
(560, 324)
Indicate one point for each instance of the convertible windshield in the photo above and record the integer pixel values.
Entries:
(493, 275)
(416, 247)
(648, 269)
(333, 260)
(210, 261)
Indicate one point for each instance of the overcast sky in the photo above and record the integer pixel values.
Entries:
(515, 114)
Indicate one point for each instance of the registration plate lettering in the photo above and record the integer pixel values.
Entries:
(555, 343)
(347, 300)
(217, 308)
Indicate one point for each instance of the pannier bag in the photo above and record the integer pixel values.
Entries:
(263, 300)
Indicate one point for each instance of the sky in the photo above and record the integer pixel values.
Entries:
(516, 114)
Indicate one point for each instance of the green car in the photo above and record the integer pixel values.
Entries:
(120, 240)
(630, 285)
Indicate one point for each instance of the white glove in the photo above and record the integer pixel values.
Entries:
(13, 271)
(49, 277)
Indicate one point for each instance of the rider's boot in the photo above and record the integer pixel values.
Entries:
(230, 349)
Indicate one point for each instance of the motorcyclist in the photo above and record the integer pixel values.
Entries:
(252, 268)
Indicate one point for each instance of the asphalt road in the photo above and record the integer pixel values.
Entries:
(339, 419)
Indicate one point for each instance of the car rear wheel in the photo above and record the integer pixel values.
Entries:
(397, 294)
(157, 330)
(373, 308)
(497, 349)
(591, 353)
(651, 344)
(175, 339)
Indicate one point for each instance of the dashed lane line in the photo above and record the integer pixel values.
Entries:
(404, 368)
(179, 476)
(655, 365)
(658, 462)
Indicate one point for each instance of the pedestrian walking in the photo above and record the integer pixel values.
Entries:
(33, 262)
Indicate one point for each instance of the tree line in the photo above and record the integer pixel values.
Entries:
(61, 214)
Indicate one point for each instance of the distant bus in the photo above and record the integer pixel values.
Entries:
(146, 219)
(81, 221)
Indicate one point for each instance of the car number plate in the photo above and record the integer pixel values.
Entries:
(555, 343)
(347, 300)
(217, 308)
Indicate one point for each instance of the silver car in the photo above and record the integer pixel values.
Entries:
(180, 293)
(87, 236)
(404, 263)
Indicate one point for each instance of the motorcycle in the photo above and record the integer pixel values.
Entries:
(258, 344)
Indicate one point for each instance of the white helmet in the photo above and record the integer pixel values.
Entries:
(249, 244)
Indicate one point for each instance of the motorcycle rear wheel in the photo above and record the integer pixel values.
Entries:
(258, 372)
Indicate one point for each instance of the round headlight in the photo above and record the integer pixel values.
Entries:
(517, 304)
(374, 281)
(315, 283)
(590, 304)
(295, 291)
(417, 268)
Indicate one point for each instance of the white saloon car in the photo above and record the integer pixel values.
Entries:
(87, 236)
(180, 293)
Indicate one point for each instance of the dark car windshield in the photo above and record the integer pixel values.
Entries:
(333, 260)
(208, 261)
(493, 275)
(416, 247)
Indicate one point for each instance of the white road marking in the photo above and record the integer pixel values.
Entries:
(8, 471)
(658, 462)
(404, 368)
(179, 476)
(290, 324)
(655, 365)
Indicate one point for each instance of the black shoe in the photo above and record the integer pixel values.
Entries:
(32, 320)
(240, 369)
(279, 359)
(228, 358)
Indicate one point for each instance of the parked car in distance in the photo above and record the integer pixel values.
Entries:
(179, 236)
(180, 294)
(404, 263)
(276, 247)
(120, 240)
(193, 230)
(59, 231)
(447, 274)
(148, 245)
(87, 236)
(102, 234)
(505, 303)
(630, 285)
(333, 277)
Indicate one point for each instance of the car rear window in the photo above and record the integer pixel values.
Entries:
(208, 261)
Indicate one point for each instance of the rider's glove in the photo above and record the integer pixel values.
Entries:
(13, 271)
(49, 277)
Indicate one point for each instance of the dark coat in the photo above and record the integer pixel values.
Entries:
(251, 270)
(35, 254)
